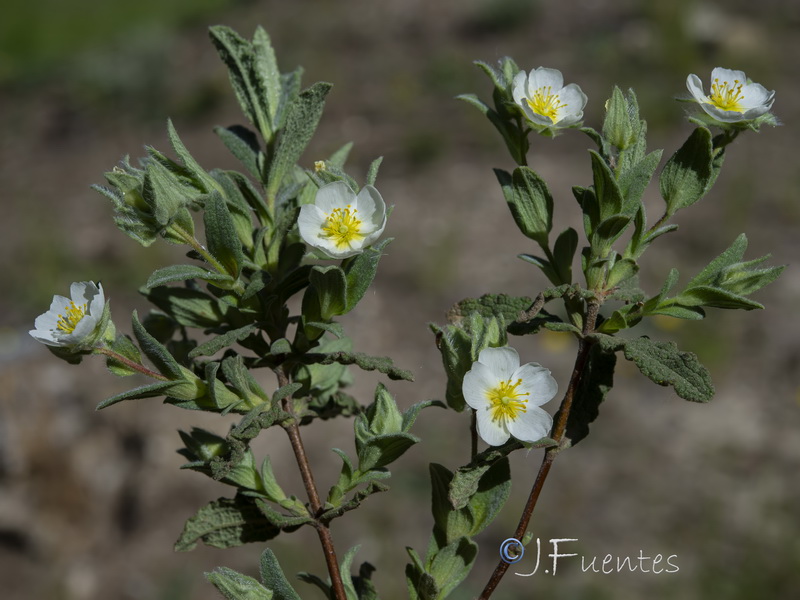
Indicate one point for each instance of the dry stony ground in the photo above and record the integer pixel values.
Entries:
(90, 503)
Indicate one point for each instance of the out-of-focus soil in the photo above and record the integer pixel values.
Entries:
(91, 503)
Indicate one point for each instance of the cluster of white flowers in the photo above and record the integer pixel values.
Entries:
(549, 104)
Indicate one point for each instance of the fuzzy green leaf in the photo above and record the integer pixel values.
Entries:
(235, 586)
(224, 340)
(273, 577)
(182, 273)
(223, 242)
(529, 200)
(225, 523)
(687, 174)
(302, 118)
(664, 364)
(155, 351)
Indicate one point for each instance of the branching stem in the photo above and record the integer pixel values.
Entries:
(324, 533)
(550, 454)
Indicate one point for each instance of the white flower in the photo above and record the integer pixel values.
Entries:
(341, 224)
(732, 98)
(507, 396)
(545, 100)
(68, 323)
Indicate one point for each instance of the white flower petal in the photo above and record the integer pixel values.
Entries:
(502, 361)
(728, 75)
(334, 195)
(726, 116)
(756, 95)
(695, 87)
(532, 425)
(519, 88)
(538, 382)
(491, 432)
(310, 222)
(477, 382)
(574, 98)
(544, 77)
(98, 302)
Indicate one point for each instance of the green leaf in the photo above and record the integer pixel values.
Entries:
(449, 524)
(224, 340)
(266, 69)
(330, 286)
(155, 351)
(596, 381)
(609, 196)
(452, 564)
(634, 181)
(372, 172)
(225, 523)
(182, 273)
(243, 144)
(465, 482)
(491, 494)
(146, 391)
(273, 577)
(302, 118)
(530, 202)
(202, 179)
(223, 242)
(564, 253)
(688, 173)
(190, 307)
(240, 58)
(359, 272)
(382, 364)
(165, 194)
(235, 586)
(381, 450)
(664, 364)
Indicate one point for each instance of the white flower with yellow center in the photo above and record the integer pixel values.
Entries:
(69, 322)
(341, 224)
(507, 396)
(546, 101)
(732, 98)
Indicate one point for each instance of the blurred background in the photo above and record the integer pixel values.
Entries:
(91, 503)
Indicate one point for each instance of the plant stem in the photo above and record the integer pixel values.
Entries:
(550, 454)
(324, 533)
(131, 364)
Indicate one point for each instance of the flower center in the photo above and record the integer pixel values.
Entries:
(506, 402)
(545, 103)
(727, 95)
(71, 317)
(342, 227)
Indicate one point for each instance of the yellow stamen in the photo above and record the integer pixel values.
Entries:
(727, 96)
(73, 314)
(342, 227)
(506, 403)
(545, 103)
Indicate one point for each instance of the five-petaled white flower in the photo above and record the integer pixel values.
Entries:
(341, 224)
(507, 396)
(546, 101)
(732, 98)
(69, 322)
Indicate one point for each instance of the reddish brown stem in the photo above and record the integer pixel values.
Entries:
(324, 533)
